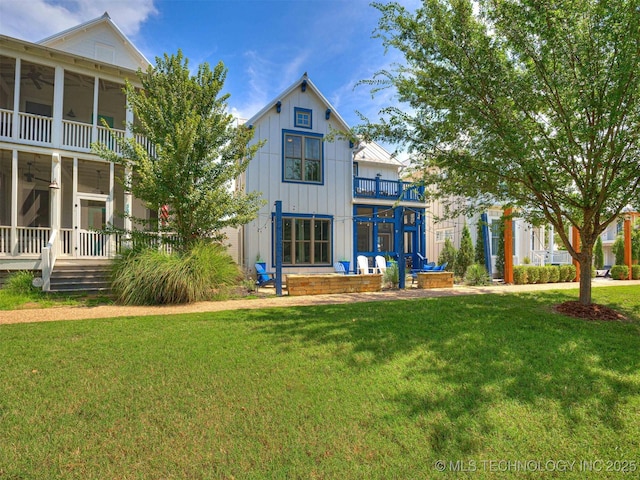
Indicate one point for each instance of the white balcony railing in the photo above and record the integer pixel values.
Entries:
(6, 123)
(5, 239)
(92, 244)
(35, 128)
(148, 146)
(108, 138)
(65, 241)
(76, 134)
(31, 240)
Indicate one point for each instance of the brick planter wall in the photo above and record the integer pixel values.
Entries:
(435, 280)
(318, 284)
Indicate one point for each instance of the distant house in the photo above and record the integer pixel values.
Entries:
(54, 96)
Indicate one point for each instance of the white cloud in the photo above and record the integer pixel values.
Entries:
(34, 20)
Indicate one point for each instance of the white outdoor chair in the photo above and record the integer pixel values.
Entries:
(381, 264)
(363, 265)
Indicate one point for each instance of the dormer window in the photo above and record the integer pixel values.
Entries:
(302, 117)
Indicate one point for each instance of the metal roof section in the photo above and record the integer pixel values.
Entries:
(371, 152)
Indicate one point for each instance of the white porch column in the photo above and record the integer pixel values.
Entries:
(54, 188)
(111, 245)
(129, 123)
(96, 93)
(15, 134)
(74, 219)
(128, 200)
(58, 102)
(13, 240)
(55, 201)
(551, 235)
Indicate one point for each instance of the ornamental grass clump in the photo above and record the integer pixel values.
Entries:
(476, 274)
(20, 283)
(152, 277)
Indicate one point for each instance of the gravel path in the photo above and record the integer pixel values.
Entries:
(268, 301)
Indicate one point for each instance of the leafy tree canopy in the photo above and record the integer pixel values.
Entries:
(198, 150)
(528, 103)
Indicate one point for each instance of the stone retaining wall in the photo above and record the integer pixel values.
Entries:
(435, 280)
(318, 284)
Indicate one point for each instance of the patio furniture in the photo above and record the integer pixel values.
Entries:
(263, 277)
(338, 267)
(363, 265)
(381, 264)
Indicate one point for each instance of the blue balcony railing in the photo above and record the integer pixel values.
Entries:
(387, 189)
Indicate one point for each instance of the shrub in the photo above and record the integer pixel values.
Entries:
(543, 274)
(476, 274)
(554, 273)
(392, 274)
(520, 275)
(533, 274)
(598, 254)
(464, 257)
(448, 255)
(150, 277)
(635, 272)
(479, 250)
(19, 283)
(620, 272)
(618, 249)
(567, 273)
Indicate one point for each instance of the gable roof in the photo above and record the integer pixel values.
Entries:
(57, 40)
(310, 85)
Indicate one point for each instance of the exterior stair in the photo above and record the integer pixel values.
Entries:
(81, 277)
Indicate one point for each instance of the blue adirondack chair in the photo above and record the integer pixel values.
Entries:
(440, 268)
(263, 277)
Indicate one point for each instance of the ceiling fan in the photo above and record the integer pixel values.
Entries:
(36, 77)
(30, 177)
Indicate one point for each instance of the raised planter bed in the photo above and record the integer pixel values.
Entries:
(318, 284)
(435, 280)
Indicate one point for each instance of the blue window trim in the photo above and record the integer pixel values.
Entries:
(356, 168)
(301, 215)
(304, 134)
(297, 110)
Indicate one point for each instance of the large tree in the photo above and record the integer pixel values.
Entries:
(527, 103)
(198, 150)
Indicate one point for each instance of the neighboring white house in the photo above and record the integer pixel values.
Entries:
(53, 97)
(339, 200)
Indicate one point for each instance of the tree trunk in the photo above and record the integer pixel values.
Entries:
(586, 260)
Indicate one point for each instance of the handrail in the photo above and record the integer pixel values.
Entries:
(49, 256)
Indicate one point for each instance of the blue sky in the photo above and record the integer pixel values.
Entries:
(265, 44)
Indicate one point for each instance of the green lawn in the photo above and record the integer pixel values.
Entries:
(498, 383)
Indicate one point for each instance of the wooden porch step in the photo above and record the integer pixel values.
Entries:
(81, 278)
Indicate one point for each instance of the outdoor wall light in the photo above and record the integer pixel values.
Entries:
(279, 106)
(304, 85)
(327, 114)
(54, 185)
